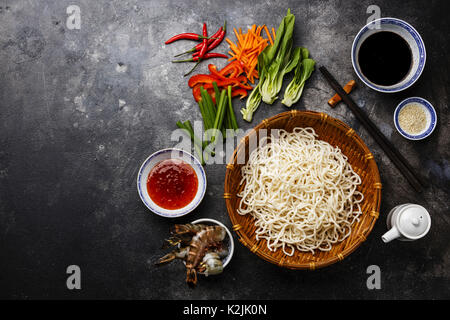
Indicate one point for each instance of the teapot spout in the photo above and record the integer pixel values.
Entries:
(391, 235)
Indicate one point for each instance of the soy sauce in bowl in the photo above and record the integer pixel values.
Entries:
(385, 58)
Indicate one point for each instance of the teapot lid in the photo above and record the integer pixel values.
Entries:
(414, 221)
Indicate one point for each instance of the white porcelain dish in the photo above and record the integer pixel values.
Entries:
(430, 113)
(159, 156)
(409, 34)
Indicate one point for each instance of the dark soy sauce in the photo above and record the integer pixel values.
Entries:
(385, 58)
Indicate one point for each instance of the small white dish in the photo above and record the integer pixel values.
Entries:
(229, 241)
(409, 34)
(154, 159)
(430, 115)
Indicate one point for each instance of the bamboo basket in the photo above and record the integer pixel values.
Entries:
(335, 132)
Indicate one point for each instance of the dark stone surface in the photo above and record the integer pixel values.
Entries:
(81, 109)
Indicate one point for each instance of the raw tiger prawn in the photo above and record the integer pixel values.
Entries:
(200, 246)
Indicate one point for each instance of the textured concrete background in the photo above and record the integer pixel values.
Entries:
(81, 109)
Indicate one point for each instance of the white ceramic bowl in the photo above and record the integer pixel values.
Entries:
(229, 241)
(159, 156)
(430, 114)
(409, 34)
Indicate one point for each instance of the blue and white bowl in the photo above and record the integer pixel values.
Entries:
(159, 156)
(430, 114)
(409, 34)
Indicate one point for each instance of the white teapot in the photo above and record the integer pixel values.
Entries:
(407, 222)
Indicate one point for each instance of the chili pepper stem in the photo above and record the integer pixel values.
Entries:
(199, 60)
(186, 60)
(186, 52)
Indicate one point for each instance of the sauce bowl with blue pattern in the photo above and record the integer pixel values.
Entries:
(409, 35)
(144, 181)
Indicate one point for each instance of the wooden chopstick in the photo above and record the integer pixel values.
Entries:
(400, 162)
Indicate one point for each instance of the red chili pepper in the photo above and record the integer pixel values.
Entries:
(208, 55)
(219, 39)
(186, 36)
(204, 44)
(213, 42)
(213, 38)
(202, 50)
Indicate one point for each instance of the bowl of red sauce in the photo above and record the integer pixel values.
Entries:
(171, 182)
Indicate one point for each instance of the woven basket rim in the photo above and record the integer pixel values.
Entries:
(253, 244)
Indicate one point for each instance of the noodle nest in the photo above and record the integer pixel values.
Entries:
(301, 191)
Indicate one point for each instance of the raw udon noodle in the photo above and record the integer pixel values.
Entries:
(301, 192)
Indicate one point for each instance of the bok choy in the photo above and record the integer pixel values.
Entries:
(276, 54)
(282, 62)
(302, 73)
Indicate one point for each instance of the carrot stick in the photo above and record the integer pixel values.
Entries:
(237, 35)
(247, 48)
(268, 34)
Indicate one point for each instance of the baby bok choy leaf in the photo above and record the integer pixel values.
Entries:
(254, 99)
(265, 59)
(283, 64)
(279, 62)
(302, 73)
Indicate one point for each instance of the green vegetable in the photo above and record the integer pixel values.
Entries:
(204, 115)
(232, 117)
(273, 63)
(283, 64)
(253, 101)
(219, 117)
(210, 110)
(302, 73)
(279, 60)
(198, 145)
(221, 108)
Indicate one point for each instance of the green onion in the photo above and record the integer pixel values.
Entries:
(204, 115)
(198, 146)
(209, 108)
(220, 114)
(232, 117)
(216, 91)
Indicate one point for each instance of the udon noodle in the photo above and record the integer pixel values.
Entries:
(301, 192)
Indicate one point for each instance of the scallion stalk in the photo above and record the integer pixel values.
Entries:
(221, 107)
(197, 142)
(232, 117)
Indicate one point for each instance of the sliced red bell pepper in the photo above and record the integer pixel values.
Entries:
(196, 90)
(243, 83)
(201, 78)
(230, 75)
(233, 69)
(239, 92)
(213, 69)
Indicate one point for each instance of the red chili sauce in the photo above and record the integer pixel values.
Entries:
(172, 184)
